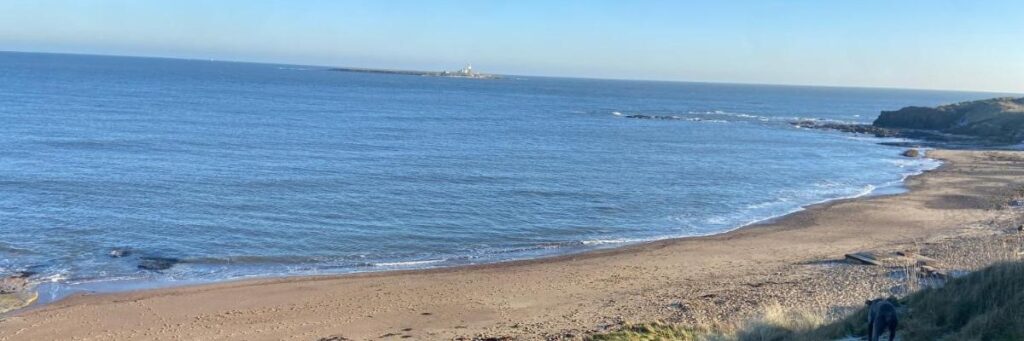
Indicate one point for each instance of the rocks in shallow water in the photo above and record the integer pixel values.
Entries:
(912, 153)
(667, 117)
(13, 284)
(119, 252)
(16, 291)
(157, 263)
(17, 300)
(653, 117)
(24, 274)
(876, 131)
(847, 128)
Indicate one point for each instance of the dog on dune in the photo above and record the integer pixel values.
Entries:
(881, 317)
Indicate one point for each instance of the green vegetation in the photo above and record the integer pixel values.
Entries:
(987, 304)
(778, 323)
(997, 119)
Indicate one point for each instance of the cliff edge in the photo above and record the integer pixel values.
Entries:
(997, 119)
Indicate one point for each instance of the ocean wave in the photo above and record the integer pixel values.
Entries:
(55, 277)
(236, 260)
(13, 250)
(594, 242)
(863, 191)
(735, 114)
(782, 205)
(414, 263)
(96, 280)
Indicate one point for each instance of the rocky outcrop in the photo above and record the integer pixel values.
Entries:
(912, 153)
(868, 129)
(848, 128)
(997, 119)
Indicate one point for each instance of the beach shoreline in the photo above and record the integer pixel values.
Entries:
(557, 295)
(114, 287)
(51, 291)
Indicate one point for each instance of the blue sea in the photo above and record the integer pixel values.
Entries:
(239, 169)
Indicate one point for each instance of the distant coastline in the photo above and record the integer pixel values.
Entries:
(466, 72)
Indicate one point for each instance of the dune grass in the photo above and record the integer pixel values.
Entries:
(653, 332)
(987, 304)
(778, 323)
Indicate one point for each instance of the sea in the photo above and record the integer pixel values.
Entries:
(227, 170)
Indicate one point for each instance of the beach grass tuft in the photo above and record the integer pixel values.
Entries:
(779, 323)
(656, 332)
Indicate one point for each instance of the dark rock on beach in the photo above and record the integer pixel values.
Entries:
(157, 263)
(912, 153)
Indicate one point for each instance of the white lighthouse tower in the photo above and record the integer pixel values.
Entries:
(467, 71)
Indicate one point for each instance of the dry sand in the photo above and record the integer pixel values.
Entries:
(716, 278)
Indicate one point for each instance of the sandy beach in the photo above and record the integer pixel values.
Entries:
(724, 277)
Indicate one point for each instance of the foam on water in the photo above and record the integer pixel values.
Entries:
(409, 264)
(595, 242)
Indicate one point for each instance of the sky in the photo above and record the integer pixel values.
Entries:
(937, 44)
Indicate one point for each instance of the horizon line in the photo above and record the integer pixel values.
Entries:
(868, 87)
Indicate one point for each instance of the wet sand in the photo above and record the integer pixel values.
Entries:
(715, 278)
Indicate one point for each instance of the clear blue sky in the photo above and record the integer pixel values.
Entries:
(939, 44)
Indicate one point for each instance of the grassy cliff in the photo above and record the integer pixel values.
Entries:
(998, 119)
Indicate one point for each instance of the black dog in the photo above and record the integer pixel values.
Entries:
(881, 316)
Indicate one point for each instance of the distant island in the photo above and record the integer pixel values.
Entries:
(996, 120)
(466, 72)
